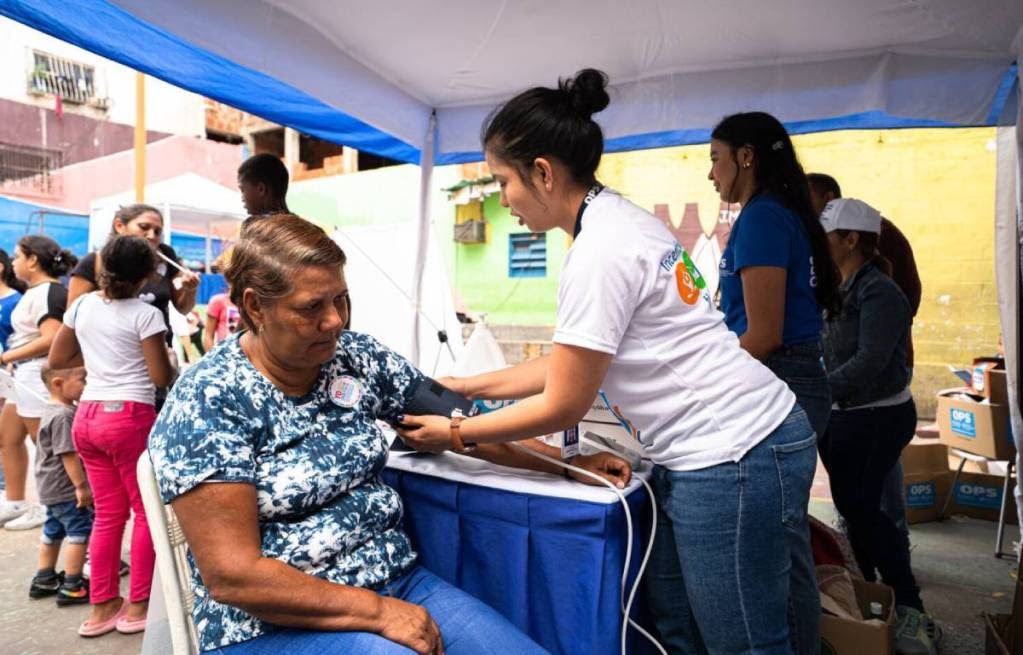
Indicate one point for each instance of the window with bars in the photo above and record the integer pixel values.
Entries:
(30, 169)
(527, 255)
(71, 80)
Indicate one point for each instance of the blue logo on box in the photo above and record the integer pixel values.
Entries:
(978, 495)
(964, 423)
(921, 494)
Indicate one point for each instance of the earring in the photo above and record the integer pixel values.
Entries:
(746, 165)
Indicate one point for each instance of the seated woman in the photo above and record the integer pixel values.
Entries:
(270, 455)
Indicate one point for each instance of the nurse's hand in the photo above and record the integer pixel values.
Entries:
(427, 434)
(455, 384)
(615, 470)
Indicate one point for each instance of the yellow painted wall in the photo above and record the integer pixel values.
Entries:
(937, 185)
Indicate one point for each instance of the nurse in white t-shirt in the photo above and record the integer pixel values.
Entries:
(734, 454)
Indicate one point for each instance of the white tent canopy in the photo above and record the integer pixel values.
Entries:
(189, 203)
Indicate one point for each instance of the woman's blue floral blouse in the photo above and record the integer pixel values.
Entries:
(315, 462)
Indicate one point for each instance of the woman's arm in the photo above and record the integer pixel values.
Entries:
(184, 296)
(221, 524)
(154, 350)
(763, 293)
(78, 286)
(611, 468)
(574, 376)
(65, 351)
(521, 381)
(209, 331)
(37, 347)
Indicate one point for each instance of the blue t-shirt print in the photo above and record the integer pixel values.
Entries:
(766, 233)
(7, 304)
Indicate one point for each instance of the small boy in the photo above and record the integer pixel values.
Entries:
(64, 489)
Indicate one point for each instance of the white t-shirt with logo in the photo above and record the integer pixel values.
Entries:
(38, 303)
(678, 375)
(110, 333)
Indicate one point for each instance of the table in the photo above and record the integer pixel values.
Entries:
(545, 552)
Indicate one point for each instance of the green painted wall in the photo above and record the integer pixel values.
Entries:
(478, 272)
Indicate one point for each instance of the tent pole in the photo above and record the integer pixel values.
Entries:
(1014, 350)
(423, 237)
(209, 247)
(140, 137)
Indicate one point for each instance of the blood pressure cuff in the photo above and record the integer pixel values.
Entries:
(431, 398)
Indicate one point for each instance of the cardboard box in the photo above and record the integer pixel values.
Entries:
(979, 495)
(925, 495)
(996, 633)
(841, 636)
(981, 428)
(924, 456)
(991, 383)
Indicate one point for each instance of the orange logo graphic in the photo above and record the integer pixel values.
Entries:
(687, 289)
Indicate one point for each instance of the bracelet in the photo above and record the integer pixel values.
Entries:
(456, 438)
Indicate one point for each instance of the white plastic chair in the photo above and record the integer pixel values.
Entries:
(171, 560)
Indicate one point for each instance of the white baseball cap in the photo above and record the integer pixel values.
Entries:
(850, 214)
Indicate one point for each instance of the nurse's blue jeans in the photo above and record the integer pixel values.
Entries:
(727, 538)
(801, 367)
(468, 627)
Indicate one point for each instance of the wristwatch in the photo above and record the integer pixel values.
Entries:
(457, 416)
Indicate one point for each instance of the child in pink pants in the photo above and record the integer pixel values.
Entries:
(121, 340)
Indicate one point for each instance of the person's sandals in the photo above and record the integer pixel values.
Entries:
(128, 626)
(88, 629)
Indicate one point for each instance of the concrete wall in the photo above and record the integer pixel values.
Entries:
(169, 109)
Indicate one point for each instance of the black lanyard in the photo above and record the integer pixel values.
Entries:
(590, 195)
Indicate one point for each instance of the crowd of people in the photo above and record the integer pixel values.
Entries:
(269, 446)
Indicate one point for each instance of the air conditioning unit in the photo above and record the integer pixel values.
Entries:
(471, 232)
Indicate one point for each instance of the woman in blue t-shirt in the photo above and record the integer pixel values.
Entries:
(10, 293)
(776, 271)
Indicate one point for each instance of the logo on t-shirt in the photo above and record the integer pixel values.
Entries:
(345, 391)
(688, 279)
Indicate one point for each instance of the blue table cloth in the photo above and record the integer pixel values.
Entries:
(551, 562)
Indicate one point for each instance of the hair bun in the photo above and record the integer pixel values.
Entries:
(587, 91)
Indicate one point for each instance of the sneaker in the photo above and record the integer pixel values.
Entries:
(911, 637)
(73, 593)
(9, 511)
(32, 518)
(122, 570)
(933, 629)
(43, 587)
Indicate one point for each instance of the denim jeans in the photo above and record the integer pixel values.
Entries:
(720, 574)
(467, 626)
(859, 450)
(801, 366)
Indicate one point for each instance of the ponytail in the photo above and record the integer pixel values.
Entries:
(53, 260)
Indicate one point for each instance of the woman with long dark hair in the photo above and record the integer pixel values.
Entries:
(38, 262)
(777, 276)
(776, 272)
(733, 454)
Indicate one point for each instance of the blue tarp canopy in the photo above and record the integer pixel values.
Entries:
(371, 75)
(21, 217)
